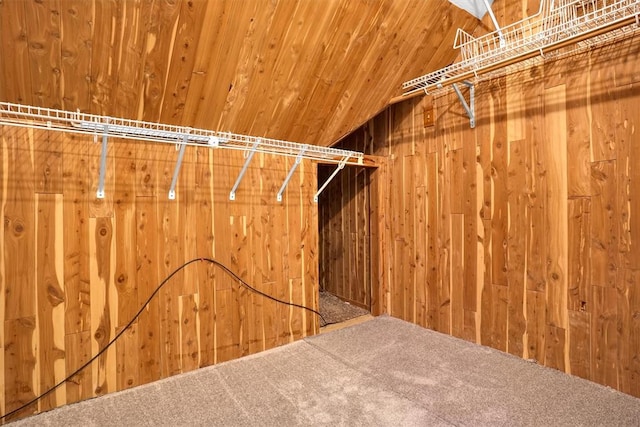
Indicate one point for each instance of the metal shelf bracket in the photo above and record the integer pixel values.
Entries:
(470, 107)
(333, 175)
(176, 171)
(103, 164)
(291, 171)
(232, 194)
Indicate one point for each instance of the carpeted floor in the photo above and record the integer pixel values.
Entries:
(384, 372)
(334, 310)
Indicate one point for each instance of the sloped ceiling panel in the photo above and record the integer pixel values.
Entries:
(307, 71)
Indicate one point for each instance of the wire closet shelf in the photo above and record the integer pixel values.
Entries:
(182, 136)
(564, 23)
(77, 122)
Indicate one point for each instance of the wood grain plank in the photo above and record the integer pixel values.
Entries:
(555, 341)
(579, 275)
(78, 352)
(421, 256)
(48, 162)
(16, 69)
(457, 275)
(125, 234)
(432, 241)
(19, 223)
(44, 34)
(189, 351)
(517, 206)
(75, 49)
(604, 342)
(127, 358)
(50, 298)
(147, 279)
(603, 105)
(19, 365)
(557, 215)
(580, 344)
(75, 177)
(604, 224)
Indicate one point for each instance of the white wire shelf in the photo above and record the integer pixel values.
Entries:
(181, 136)
(557, 24)
(76, 122)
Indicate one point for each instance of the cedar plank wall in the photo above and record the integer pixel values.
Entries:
(523, 233)
(75, 270)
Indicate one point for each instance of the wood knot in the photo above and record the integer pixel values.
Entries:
(103, 231)
(18, 228)
(122, 279)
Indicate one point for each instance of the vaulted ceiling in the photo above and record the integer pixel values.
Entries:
(301, 70)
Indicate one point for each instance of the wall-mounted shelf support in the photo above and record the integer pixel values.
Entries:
(495, 22)
(232, 194)
(176, 171)
(333, 175)
(290, 174)
(470, 107)
(103, 164)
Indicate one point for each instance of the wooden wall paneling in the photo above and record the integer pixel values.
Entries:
(536, 238)
(398, 299)
(471, 217)
(456, 170)
(19, 224)
(162, 20)
(76, 277)
(557, 215)
(270, 260)
(50, 298)
(188, 214)
(48, 161)
(580, 344)
(78, 352)
(499, 166)
(516, 248)
(408, 278)
(282, 283)
(604, 342)
(255, 235)
(205, 168)
(443, 231)
(148, 279)
(432, 241)
(380, 240)
(103, 305)
(171, 253)
(349, 197)
(127, 358)
(309, 250)
(578, 106)
(20, 361)
(457, 275)
(603, 103)
(4, 181)
(16, 71)
(108, 20)
(185, 46)
(43, 28)
(628, 180)
(604, 224)
(293, 205)
(421, 255)
(579, 255)
(75, 49)
(632, 376)
(189, 343)
(125, 232)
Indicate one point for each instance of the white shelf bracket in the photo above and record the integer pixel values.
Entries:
(495, 23)
(232, 194)
(470, 107)
(333, 175)
(103, 164)
(176, 171)
(291, 171)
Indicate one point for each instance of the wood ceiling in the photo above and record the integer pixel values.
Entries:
(301, 70)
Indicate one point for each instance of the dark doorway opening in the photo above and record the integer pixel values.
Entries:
(344, 243)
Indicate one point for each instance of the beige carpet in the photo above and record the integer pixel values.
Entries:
(334, 310)
(384, 372)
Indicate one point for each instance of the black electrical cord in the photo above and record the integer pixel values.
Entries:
(153, 294)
